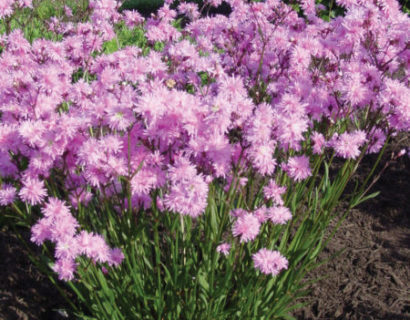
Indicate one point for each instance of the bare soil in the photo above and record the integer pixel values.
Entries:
(25, 293)
(370, 278)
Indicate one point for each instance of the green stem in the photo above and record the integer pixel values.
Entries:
(181, 219)
(158, 262)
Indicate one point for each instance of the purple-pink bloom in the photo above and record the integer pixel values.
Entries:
(318, 141)
(279, 214)
(93, 246)
(376, 141)
(66, 248)
(298, 167)
(189, 192)
(41, 231)
(260, 213)
(7, 194)
(247, 227)
(347, 145)
(116, 257)
(33, 191)
(214, 3)
(65, 267)
(55, 208)
(223, 248)
(132, 18)
(269, 262)
(274, 191)
(64, 226)
(262, 157)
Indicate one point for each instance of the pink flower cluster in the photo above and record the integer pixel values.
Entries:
(269, 262)
(60, 227)
(8, 6)
(247, 224)
(260, 89)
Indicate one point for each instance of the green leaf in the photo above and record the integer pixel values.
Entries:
(203, 282)
(365, 198)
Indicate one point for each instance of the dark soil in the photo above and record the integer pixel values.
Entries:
(368, 280)
(25, 294)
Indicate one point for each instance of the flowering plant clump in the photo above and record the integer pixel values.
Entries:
(185, 174)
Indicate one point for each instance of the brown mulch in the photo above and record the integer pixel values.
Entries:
(25, 293)
(368, 280)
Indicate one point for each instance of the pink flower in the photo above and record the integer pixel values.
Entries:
(318, 141)
(132, 18)
(347, 145)
(32, 132)
(259, 130)
(262, 157)
(298, 168)
(189, 9)
(84, 240)
(66, 248)
(93, 246)
(260, 213)
(65, 268)
(64, 226)
(269, 262)
(247, 227)
(279, 215)
(290, 131)
(274, 192)
(146, 179)
(68, 12)
(7, 195)
(41, 231)
(99, 250)
(6, 8)
(116, 257)
(55, 208)
(376, 141)
(188, 197)
(33, 191)
(189, 191)
(223, 248)
(214, 3)
(346, 3)
(308, 7)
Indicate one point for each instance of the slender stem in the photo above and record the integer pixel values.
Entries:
(158, 259)
(181, 219)
(375, 165)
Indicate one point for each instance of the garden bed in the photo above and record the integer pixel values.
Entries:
(187, 166)
(369, 280)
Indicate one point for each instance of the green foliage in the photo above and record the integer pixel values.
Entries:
(125, 37)
(34, 22)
